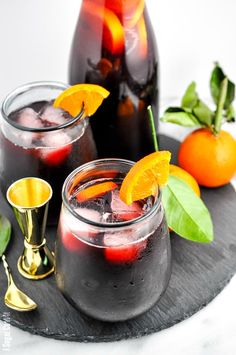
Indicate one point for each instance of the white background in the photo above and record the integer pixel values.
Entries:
(35, 37)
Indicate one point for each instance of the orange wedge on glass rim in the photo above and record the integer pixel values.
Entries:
(73, 98)
(145, 177)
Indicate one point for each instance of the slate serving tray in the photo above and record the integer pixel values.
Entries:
(199, 273)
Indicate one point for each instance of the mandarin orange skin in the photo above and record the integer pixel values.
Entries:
(186, 177)
(210, 159)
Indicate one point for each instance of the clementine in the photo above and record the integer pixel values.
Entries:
(186, 177)
(209, 158)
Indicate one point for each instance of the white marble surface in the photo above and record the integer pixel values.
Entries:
(35, 40)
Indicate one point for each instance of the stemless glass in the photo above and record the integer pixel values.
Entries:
(113, 262)
(46, 151)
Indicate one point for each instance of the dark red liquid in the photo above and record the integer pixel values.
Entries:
(52, 164)
(121, 276)
(114, 47)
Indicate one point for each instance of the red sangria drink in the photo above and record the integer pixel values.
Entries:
(39, 140)
(113, 261)
(114, 46)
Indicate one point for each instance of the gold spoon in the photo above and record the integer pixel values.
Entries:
(14, 298)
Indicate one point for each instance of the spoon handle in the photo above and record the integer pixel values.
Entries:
(7, 270)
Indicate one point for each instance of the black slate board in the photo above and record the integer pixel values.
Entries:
(199, 273)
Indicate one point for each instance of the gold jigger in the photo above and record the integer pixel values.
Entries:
(29, 198)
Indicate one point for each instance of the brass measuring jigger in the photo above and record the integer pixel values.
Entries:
(29, 198)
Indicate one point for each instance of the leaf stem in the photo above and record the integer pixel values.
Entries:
(154, 136)
(220, 105)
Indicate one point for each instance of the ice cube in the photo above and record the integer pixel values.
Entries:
(54, 156)
(89, 214)
(57, 148)
(29, 118)
(96, 204)
(119, 238)
(26, 139)
(55, 139)
(53, 115)
(119, 247)
(108, 217)
(81, 228)
(76, 226)
(69, 240)
(113, 217)
(123, 211)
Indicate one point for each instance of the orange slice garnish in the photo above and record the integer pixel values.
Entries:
(95, 191)
(87, 175)
(73, 98)
(145, 176)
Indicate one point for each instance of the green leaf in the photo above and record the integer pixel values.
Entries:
(230, 95)
(217, 77)
(230, 114)
(185, 212)
(190, 97)
(180, 117)
(5, 234)
(203, 113)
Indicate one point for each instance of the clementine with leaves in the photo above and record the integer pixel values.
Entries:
(210, 159)
(209, 153)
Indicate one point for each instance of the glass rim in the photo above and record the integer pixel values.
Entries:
(108, 225)
(25, 87)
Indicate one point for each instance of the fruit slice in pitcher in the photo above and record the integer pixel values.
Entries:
(130, 9)
(103, 19)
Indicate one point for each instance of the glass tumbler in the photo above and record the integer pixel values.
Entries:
(113, 261)
(38, 140)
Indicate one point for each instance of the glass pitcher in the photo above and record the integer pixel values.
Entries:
(114, 46)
